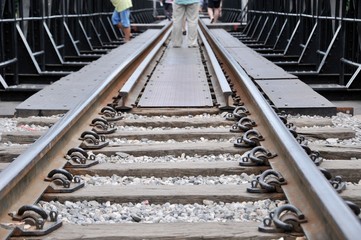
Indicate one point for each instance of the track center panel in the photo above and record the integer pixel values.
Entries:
(178, 81)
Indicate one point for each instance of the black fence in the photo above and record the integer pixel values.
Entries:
(43, 40)
(319, 41)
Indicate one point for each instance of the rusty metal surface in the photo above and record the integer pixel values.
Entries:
(178, 81)
(66, 93)
(294, 96)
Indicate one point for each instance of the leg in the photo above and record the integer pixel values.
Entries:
(210, 14)
(184, 22)
(125, 24)
(216, 14)
(127, 34)
(170, 9)
(167, 11)
(216, 9)
(178, 15)
(192, 19)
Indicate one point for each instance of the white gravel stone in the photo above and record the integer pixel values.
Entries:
(122, 158)
(11, 125)
(87, 212)
(186, 180)
(118, 142)
(341, 120)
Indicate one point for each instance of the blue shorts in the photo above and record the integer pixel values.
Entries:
(121, 17)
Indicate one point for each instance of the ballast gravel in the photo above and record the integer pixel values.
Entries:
(117, 141)
(88, 212)
(124, 158)
(92, 212)
(346, 121)
(186, 180)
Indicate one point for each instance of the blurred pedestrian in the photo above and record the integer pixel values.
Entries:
(168, 8)
(188, 9)
(214, 10)
(121, 16)
(205, 6)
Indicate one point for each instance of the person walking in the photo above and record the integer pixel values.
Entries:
(214, 10)
(188, 9)
(168, 8)
(121, 16)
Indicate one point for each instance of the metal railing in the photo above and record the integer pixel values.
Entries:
(41, 41)
(319, 41)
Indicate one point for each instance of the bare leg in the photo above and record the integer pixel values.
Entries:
(126, 32)
(210, 13)
(216, 14)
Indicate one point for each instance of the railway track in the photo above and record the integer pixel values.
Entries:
(136, 153)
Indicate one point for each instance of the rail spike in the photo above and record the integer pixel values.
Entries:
(238, 113)
(78, 158)
(110, 114)
(269, 181)
(251, 138)
(284, 219)
(243, 125)
(92, 140)
(336, 182)
(39, 221)
(292, 129)
(354, 208)
(63, 181)
(102, 126)
(258, 156)
(316, 158)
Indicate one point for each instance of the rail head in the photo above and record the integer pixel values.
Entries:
(223, 83)
(133, 79)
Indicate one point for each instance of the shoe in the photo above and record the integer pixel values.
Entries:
(192, 46)
(212, 20)
(184, 33)
(176, 46)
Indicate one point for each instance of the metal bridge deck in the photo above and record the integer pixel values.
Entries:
(285, 90)
(69, 91)
(178, 81)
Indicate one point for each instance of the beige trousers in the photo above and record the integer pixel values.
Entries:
(191, 12)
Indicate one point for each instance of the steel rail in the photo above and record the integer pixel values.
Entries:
(226, 101)
(22, 182)
(125, 103)
(328, 217)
